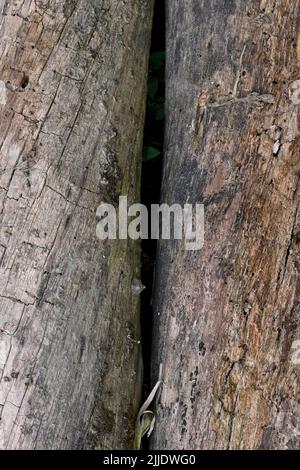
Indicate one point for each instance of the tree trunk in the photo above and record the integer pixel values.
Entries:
(72, 96)
(227, 317)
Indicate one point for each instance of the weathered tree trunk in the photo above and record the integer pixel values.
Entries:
(226, 317)
(72, 95)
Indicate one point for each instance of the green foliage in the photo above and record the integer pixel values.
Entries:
(149, 153)
(157, 61)
(157, 108)
(152, 87)
(155, 101)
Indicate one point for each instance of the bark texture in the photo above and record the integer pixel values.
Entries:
(72, 94)
(227, 317)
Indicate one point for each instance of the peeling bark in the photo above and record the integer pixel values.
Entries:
(227, 317)
(72, 96)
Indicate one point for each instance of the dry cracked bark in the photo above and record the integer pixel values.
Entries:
(227, 317)
(72, 96)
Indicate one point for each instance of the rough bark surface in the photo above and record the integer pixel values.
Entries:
(227, 317)
(72, 95)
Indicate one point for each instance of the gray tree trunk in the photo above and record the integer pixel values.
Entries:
(72, 97)
(227, 317)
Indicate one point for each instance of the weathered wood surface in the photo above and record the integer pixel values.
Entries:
(226, 317)
(72, 96)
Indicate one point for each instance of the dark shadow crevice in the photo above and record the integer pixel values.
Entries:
(151, 176)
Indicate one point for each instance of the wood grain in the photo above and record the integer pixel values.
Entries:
(72, 98)
(226, 317)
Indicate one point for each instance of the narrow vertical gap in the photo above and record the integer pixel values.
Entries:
(151, 174)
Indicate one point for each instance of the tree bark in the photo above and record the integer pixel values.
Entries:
(227, 317)
(72, 97)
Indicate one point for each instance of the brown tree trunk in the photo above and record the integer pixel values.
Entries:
(227, 317)
(72, 96)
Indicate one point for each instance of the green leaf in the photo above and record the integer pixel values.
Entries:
(157, 60)
(149, 153)
(156, 109)
(152, 87)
